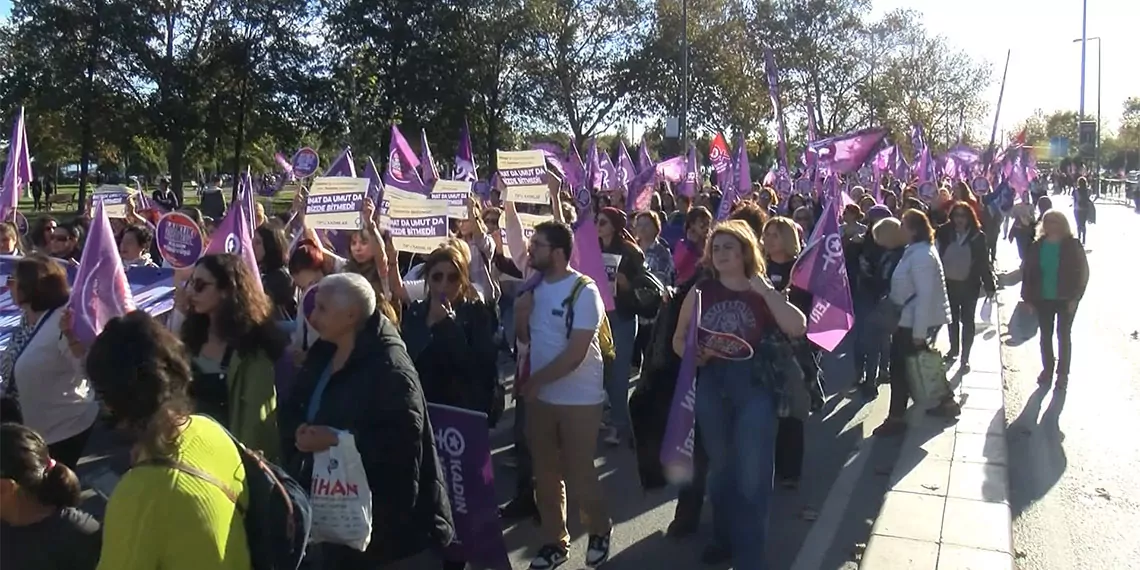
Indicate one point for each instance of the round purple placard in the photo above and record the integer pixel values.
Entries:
(309, 302)
(980, 184)
(179, 240)
(21, 223)
(305, 163)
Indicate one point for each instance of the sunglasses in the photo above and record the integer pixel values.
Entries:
(439, 276)
(200, 285)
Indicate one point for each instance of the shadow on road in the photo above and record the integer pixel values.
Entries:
(1036, 457)
(1022, 326)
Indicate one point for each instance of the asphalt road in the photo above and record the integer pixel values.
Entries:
(1074, 457)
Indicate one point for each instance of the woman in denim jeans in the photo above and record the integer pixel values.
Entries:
(736, 411)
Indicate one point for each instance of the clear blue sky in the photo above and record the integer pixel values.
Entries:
(1044, 70)
(1045, 66)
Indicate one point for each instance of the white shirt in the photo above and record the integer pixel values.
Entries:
(548, 338)
(54, 395)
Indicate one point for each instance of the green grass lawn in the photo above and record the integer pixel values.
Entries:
(279, 203)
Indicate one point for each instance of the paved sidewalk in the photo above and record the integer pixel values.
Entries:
(947, 507)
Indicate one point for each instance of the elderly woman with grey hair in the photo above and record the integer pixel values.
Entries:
(358, 378)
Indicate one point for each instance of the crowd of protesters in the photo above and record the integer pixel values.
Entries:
(379, 343)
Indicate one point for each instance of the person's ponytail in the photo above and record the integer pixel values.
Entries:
(59, 487)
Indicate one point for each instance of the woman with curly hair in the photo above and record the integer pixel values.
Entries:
(159, 515)
(233, 343)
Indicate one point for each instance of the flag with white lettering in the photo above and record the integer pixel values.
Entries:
(821, 270)
(677, 443)
(463, 445)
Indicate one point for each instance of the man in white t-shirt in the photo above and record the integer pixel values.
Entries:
(564, 395)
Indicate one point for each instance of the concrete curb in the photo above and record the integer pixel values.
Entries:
(947, 507)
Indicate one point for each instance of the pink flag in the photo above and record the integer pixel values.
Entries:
(235, 235)
(671, 170)
(101, 291)
(402, 168)
(847, 153)
(822, 271)
(690, 184)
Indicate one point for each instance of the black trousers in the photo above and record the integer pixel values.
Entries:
(902, 346)
(1056, 317)
(963, 297)
(70, 450)
(691, 497)
(789, 448)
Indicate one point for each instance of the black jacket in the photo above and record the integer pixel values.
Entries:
(456, 359)
(377, 397)
(981, 270)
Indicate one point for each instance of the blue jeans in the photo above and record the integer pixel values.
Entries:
(872, 343)
(507, 318)
(738, 430)
(617, 378)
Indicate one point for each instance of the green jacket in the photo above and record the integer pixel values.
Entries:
(253, 403)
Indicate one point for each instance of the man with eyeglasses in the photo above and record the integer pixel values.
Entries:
(560, 319)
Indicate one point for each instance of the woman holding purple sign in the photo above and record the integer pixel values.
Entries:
(736, 403)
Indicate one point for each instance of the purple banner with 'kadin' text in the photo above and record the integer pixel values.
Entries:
(464, 447)
(677, 444)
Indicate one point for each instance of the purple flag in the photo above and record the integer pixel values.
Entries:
(402, 168)
(343, 165)
(625, 170)
(639, 196)
(101, 291)
(17, 171)
(464, 158)
(777, 109)
(464, 448)
(918, 141)
(375, 183)
(575, 168)
(677, 443)
(671, 170)
(689, 184)
(595, 176)
(643, 159)
(235, 235)
(428, 172)
(609, 173)
(821, 271)
(847, 153)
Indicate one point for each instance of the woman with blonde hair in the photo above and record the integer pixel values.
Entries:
(736, 399)
(450, 335)
(1055, 274)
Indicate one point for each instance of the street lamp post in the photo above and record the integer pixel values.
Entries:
(1096, 146)
(684, 119)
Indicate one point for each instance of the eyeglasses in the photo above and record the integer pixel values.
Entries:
(200, 285)
(439, 276)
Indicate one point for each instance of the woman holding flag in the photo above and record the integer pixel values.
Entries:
(735, 403)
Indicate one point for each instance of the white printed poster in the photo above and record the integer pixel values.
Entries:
(114, 199)
(528, 223)
(523, 173)
(335, 203)
(417, 227)
(455, 193)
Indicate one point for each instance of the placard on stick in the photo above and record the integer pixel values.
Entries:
(523, 173)
(335, 203)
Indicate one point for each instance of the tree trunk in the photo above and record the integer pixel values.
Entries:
(175, 157)
(87, 132)
(239, 140)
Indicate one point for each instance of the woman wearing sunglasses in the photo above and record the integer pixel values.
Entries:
(450, 335)
(233, 343)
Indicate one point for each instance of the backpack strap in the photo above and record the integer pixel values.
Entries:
(568, 304)
(197, 474)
